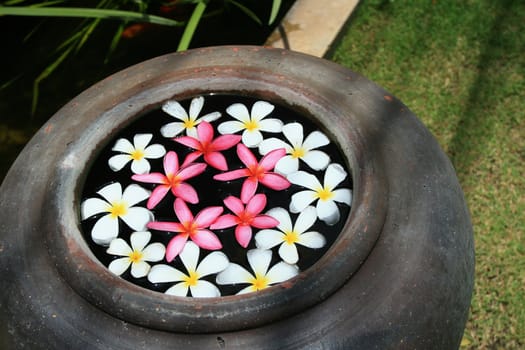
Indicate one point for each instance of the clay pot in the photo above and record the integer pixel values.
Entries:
(399, 276)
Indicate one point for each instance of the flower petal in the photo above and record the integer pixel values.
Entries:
(164, 273)
(140, 166)
(172, 129)
(287, 165)
(264, 221)
(304, 179)
(314, 140)
(141, 140)
(243, 235)
(230, 127)
(175, 109)
(207, 240)
(134, 194)
(256, 204)
(271, 158)
(111, 192)
(188, 141)
(154, 151)
(124, 146)
(248, 189)
(312, 239)
(175, 246)
(316, 160)
(216, 160)
(171, 163)
(137, 218)
(207, 216)
(234, 204)
(105, 230)
(267, 239)
(281, 272)
(179, 290)
(190, 256)
(224, 142)
(275, 181)
(239, 112)
(191, 170)
(139, 269)
(328, 212)
(152, 178)
(305, 220)
(119, 247)
(259, 260)
(154, 252)
(261, 109)
(301, 200)
(251, 138)
(282, 215)
(270, 144)
(92, 206)
(139, 240)
(249, 289)
(271, 125)
(210, 117)
(232, 175)
(196, 107)
(118, 161)
(225, 221)
(288, 252)
(334, 175)
(214, 262)
(166, 226)
(343, 195)
(205, 132)
(246, 156)
(182, 211)
(204, 289)
(157, 195)
(119, 266)
(234, 274)
(293, 133)
(186, 192)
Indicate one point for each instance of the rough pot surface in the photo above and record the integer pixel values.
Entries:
(400, 276)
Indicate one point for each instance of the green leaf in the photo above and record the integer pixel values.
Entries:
(247, 11)
(87, 12)
(276, 5)
(189, 31)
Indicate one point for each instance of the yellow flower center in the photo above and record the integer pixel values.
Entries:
(324, 194)
(251, 125)
(291, 237)
(259, 282)
(137, 154)
(298, 152)
(118, 209)
(189, 123)
(191, 280)
(135, 256)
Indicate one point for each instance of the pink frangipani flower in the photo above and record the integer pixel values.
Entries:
(189, 227)
(208, 147)
(256, 172)
(245, 218)
(173, 180)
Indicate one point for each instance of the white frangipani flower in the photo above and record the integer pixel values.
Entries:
(116, 205)
(252, 123)
(138, 153)
(325, 194)
(289, 235)
(297, 149)
(137, 255)
(213, 263)
(259, 260)
(187, 122)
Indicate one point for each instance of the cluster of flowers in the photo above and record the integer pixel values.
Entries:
(277, 170)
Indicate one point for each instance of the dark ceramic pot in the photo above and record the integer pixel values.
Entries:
(399, 275)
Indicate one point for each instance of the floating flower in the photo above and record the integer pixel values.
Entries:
(207, 146)
(138, 153)
(289, 236)
(173, 180)
(189, 227)
(256, 172)
(252, 123)
(326, 194)
(188, 122)
(137, 255)
(297, 149)
(117, 205)
(261, 278)
(245, 218)
(213, 263)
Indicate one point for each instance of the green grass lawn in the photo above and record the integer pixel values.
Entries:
(460, 66)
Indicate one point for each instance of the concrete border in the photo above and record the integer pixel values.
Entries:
(310, 26)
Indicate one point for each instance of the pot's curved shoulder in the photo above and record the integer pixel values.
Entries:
(399, 276)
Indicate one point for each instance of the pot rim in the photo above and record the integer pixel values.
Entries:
(251, 74)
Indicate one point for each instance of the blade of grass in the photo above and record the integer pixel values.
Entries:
(247, 11)
(276, 5)
(89, 29)
(189, 31)
(115, 41)
(88, 13)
